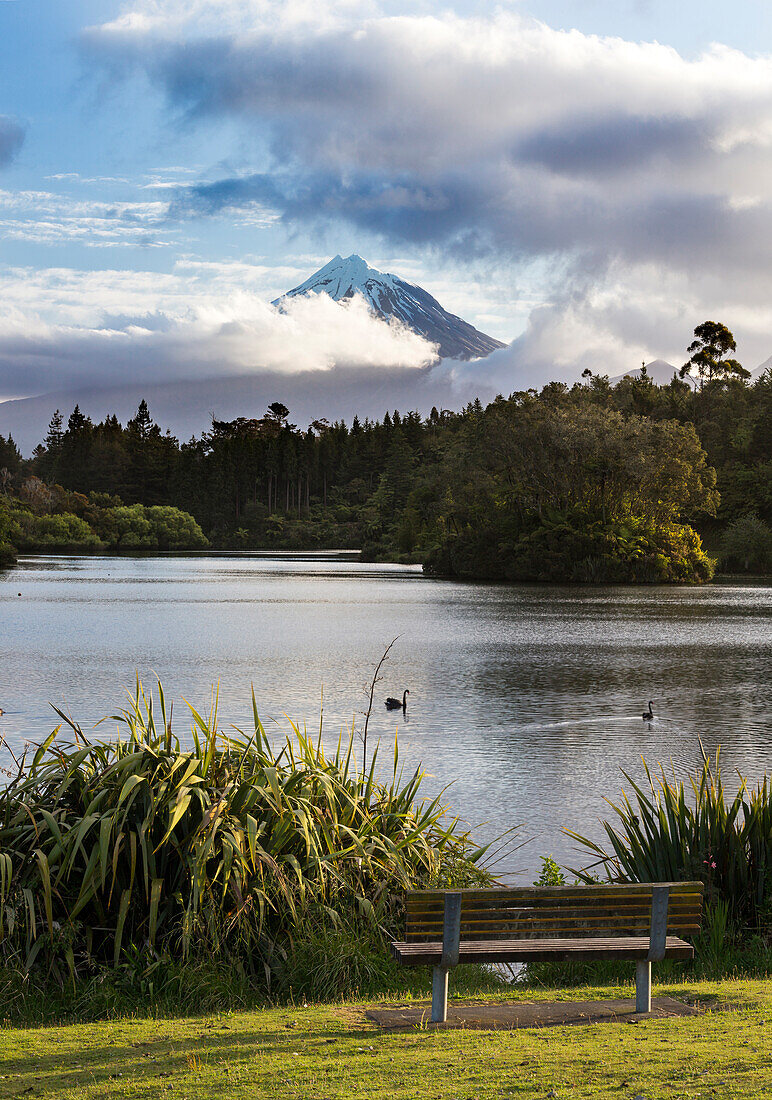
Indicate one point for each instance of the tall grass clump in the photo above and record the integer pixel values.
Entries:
(217, 848)
(669, 831)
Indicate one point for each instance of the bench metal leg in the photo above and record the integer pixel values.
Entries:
(643, 986)
(440, 995)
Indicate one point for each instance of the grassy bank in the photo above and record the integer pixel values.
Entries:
(335, 1052)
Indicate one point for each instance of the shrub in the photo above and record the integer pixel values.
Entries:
(175, 530)
(54, 532)
(136, 527)
(747, 545)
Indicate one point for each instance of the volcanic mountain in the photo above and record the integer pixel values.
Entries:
(390, 296)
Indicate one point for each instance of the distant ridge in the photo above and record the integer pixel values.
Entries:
(659, 371)
(389, 296)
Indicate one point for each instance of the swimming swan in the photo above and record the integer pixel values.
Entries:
(394, 704)
(648, 714)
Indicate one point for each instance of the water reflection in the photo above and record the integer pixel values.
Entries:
(528, 699)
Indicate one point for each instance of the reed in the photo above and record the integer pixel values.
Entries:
(216, 847)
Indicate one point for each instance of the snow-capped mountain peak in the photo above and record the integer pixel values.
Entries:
(389, 296)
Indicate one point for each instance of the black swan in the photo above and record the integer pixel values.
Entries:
(394, 704)
(648, 714)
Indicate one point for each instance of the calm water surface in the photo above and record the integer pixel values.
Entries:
(528, 699)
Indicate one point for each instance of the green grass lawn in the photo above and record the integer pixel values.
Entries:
(333, 1051)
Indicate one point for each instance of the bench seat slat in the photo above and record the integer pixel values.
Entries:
(539, 950)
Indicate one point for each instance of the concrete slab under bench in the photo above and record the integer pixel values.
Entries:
(507, 1017)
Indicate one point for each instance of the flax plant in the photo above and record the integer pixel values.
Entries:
(217, 846)
(671, 831)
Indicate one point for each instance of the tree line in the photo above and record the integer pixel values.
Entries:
(586, 482)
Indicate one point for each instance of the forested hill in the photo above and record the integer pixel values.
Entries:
(589, 483)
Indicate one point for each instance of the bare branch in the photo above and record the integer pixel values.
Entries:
(375, 680)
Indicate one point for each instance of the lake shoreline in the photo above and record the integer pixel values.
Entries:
(334, 552)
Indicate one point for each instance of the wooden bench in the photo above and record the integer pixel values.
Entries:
(644, 922)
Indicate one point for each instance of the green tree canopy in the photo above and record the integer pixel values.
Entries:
(709, 354)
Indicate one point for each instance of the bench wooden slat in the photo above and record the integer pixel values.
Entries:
(533, 894)
(583, 927)
(642, 904)
(539, 950)
(484, 906)
(576, 928)
(686, 904)
(556, 916)
(488, 916)
(684, 927)
(569, 893)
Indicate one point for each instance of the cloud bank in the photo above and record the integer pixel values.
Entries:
(68, 329)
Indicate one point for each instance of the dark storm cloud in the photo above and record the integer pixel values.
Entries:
(599, 147)
(211, 199)
(11, 139)
(463, 213)
(400, 208)
(223, 74)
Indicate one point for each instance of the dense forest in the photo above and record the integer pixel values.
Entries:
(591, 482)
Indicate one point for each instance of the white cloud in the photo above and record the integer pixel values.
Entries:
(635, 314)
(47, 218)
(170, 17)
(88, 329)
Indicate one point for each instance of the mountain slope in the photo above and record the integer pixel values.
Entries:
(390, 296)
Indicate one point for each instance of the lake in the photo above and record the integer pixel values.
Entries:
(527, 699)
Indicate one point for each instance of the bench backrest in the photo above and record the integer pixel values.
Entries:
(551, 912)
